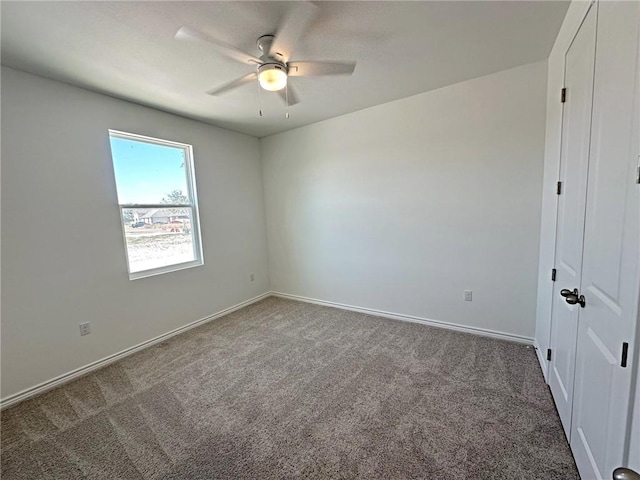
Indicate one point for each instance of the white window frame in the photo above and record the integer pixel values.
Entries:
(193, 205)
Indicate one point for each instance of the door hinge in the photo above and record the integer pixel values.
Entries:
(638, 171)
(548, 354)
(625, 353)
(559, 188)
(563, 95)
(553, 274)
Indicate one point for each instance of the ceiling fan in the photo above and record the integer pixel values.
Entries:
(273, 68)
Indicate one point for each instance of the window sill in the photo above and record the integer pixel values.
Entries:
(161, 270)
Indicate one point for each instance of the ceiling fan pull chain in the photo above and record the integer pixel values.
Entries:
(286, 96)
(259, 99)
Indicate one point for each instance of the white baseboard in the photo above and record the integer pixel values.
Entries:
(78, 372)
(410, 318)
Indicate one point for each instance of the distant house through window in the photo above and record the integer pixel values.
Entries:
(158, 205)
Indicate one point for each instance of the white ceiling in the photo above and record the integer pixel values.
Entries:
(128, 50)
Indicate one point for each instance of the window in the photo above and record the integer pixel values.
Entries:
(158, 206)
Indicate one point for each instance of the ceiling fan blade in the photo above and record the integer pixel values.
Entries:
(233, 84)
(309, 69)
(189, 34)
(289, 92)
(294, 23)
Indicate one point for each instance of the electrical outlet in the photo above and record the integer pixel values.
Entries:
(85, 328)
(468, 295)
(252, 277)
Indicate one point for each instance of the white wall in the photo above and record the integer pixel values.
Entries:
(555, 81)
(63, 259)
(402, 206)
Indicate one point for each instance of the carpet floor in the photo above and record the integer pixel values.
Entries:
(283, 389)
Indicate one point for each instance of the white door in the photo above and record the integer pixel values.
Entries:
(611, 251)
(576, 126)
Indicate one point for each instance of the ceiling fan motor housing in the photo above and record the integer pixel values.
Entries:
(264, 43)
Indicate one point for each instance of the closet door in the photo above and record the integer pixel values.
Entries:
(611, 250)
(576, 126)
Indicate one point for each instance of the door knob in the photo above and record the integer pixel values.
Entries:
(572, 297)
(566, 292)
(625, 474)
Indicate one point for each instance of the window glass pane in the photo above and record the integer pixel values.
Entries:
(148, 173)
(158, 237)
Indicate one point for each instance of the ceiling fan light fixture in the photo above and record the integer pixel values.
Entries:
(272, 76)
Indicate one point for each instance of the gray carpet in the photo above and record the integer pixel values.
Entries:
(283, 389)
